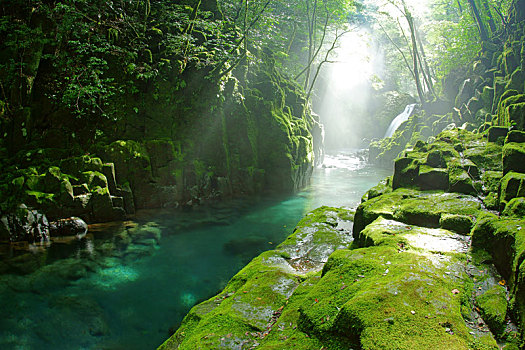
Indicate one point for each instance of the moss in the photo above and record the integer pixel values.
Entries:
(426, 210)
(486, 155)
(381, 299)
(512, 186)
(432, 178)
(460, 181)
(509, 98)
(405, 172)
(383, 205)
(458, 223)
(493, 306)
(260, 304)
(383, 187)
(514, 157)
(515, 207)
(94, 179)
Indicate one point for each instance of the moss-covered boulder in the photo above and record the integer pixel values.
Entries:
(510, 110)
(504, 239)
(512, 186)
(493, 306)
(515, 136)
(514, 157)
(413, 207)
(515, 207)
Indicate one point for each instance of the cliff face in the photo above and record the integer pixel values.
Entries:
(108, 117)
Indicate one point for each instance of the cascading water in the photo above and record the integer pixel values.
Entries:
(402, 117)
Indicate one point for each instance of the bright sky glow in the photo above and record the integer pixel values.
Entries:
(353, 65)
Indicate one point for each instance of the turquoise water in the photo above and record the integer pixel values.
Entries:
(128, 285)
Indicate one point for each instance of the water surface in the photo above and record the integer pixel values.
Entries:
(125, 285)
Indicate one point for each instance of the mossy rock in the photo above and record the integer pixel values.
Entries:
(460, 181)
(493, 306)
(457, 223)
(414, 207)
(260, 304)
(432, 178)
(504, 239)
(379, 298)
(487, 96)
(76, 165)
(94, 179)
(515, 136)
(383, 205)
(486, 155)
(517, 80)
(426, 210)
(383, 187)
(497, 133)
(406, 171)
(508, 115)
(515, 207)
(512, 186)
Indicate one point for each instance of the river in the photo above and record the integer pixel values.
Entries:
(125, 285)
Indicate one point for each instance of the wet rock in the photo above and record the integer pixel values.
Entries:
(435, 159)
(493, 305)
(73, 226)
(432, 179)
(24, 225)
(461, 182)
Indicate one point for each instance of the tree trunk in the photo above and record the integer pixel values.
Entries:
(417, 79)
(481, 27)
(459, 6)
(488, 12)
(424, 65)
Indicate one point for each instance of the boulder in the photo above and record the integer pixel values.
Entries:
(493, 307)
(24, 224)
(457, 223)
(460, 181)
(432, 179)
(72, 226)
(497, 132)
(514, 157)
(405, 171)
(515, 207)
(512, 186)
(465, 92)
(515, 136)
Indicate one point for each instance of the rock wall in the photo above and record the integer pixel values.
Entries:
(173, 146)
(489, 95)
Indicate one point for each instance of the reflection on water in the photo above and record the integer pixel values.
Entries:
(124, 285)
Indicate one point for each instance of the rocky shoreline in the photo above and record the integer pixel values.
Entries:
(435, 259)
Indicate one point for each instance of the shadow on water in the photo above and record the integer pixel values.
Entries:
(125, 285)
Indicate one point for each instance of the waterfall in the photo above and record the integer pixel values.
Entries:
(399, 120)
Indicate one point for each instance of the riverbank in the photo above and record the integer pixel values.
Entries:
(126, 284)
(430, 265)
